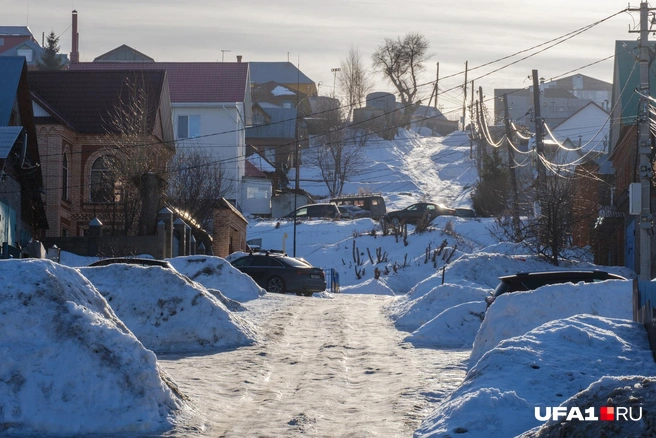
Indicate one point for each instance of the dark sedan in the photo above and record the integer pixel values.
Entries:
(416, 212)
(278, 273)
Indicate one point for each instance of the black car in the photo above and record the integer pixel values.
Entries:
(525, 281)
(279, 273)
(353, 212)
(417, 212)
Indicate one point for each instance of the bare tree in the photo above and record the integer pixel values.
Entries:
(137, 158)
(337, 156)
(196, 182)
(355, 80)
(401, 61)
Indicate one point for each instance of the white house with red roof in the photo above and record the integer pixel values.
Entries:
(211, 105)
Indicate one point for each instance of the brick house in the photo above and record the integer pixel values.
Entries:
(229, 233)
(73, 112)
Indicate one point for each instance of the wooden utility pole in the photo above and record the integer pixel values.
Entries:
(513, 176)
(539, 141)
(437, 81)
(464, 100)
(644, 146)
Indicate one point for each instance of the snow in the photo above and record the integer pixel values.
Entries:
(69, 365)
(162, 308)
(556, 345)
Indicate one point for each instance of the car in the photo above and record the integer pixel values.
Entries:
(465, 212)
(374, 203)
(279, 273)
(525, 281)
(417, 212)
(353, 212)
(319, 211)
(132, 261)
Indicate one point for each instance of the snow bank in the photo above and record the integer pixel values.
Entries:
(412, 314)
(69, 365)
(636, 392)
(166, 311)
(516, 313)
(371, 286)
(216, 273)
(456, 327)
(541, 368)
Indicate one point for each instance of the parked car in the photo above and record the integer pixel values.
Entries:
(353, 212)
(465, 212)
(416, 212)
(525, 281)
(374, 203)
(279, 273)
(132, 261)
(327, 211)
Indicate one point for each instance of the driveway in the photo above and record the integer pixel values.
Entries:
(326, 368)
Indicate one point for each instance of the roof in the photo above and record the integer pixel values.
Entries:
(84, 99)
(37, 49)
(252, 171)
(8, 137)
(123, 53)
(10, 72)
(225, 205)
(283, 124)
(281, 72)
(15, 31)
(201, 82)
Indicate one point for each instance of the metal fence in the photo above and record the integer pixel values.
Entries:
(332, 280)
(644, 308)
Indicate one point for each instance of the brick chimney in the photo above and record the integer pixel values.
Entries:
(238, 58)
(75, 54)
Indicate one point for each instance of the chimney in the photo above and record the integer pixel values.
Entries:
(75, 54)
(238, 58)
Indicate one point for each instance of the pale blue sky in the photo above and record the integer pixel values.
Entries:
(319, 34)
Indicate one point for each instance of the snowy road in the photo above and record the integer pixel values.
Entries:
(327, 368)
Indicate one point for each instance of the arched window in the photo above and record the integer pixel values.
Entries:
(102, 180)
(65, 177)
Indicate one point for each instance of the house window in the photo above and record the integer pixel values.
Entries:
(65, 177)
(257, 193)
(27, 53)
(188, 126)
(102, 181)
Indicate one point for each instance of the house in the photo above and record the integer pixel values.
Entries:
(229, 232)
(258, 199)
(624, 145)
(22, 213)
(18, 41)
(559, 99)
(211, 105)
(283, 73)
(432, 118)
(75, 113)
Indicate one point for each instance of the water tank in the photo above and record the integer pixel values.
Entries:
(381, 99)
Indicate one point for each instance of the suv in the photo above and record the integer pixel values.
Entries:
(374, 203)
(525, 281)
(329, 211)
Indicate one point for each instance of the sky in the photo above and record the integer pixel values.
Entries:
(317, 36)
(63, 323)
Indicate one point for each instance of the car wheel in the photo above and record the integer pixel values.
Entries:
(275, 285)
(308, 294)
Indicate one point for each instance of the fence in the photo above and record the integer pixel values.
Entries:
(644, 308)
(332, 280)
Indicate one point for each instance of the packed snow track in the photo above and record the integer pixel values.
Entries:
(326, 368)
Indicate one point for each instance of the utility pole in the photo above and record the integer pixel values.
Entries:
(644, 146)
(513, 176)
(539, 141)
(437, 81)
(464, 100)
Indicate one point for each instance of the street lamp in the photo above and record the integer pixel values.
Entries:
(335, 70)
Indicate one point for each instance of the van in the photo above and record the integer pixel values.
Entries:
(374, 203)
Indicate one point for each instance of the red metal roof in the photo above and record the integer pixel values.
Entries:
(202, 82)
(252, 171)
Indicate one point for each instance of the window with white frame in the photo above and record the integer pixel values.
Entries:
(188, 126)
